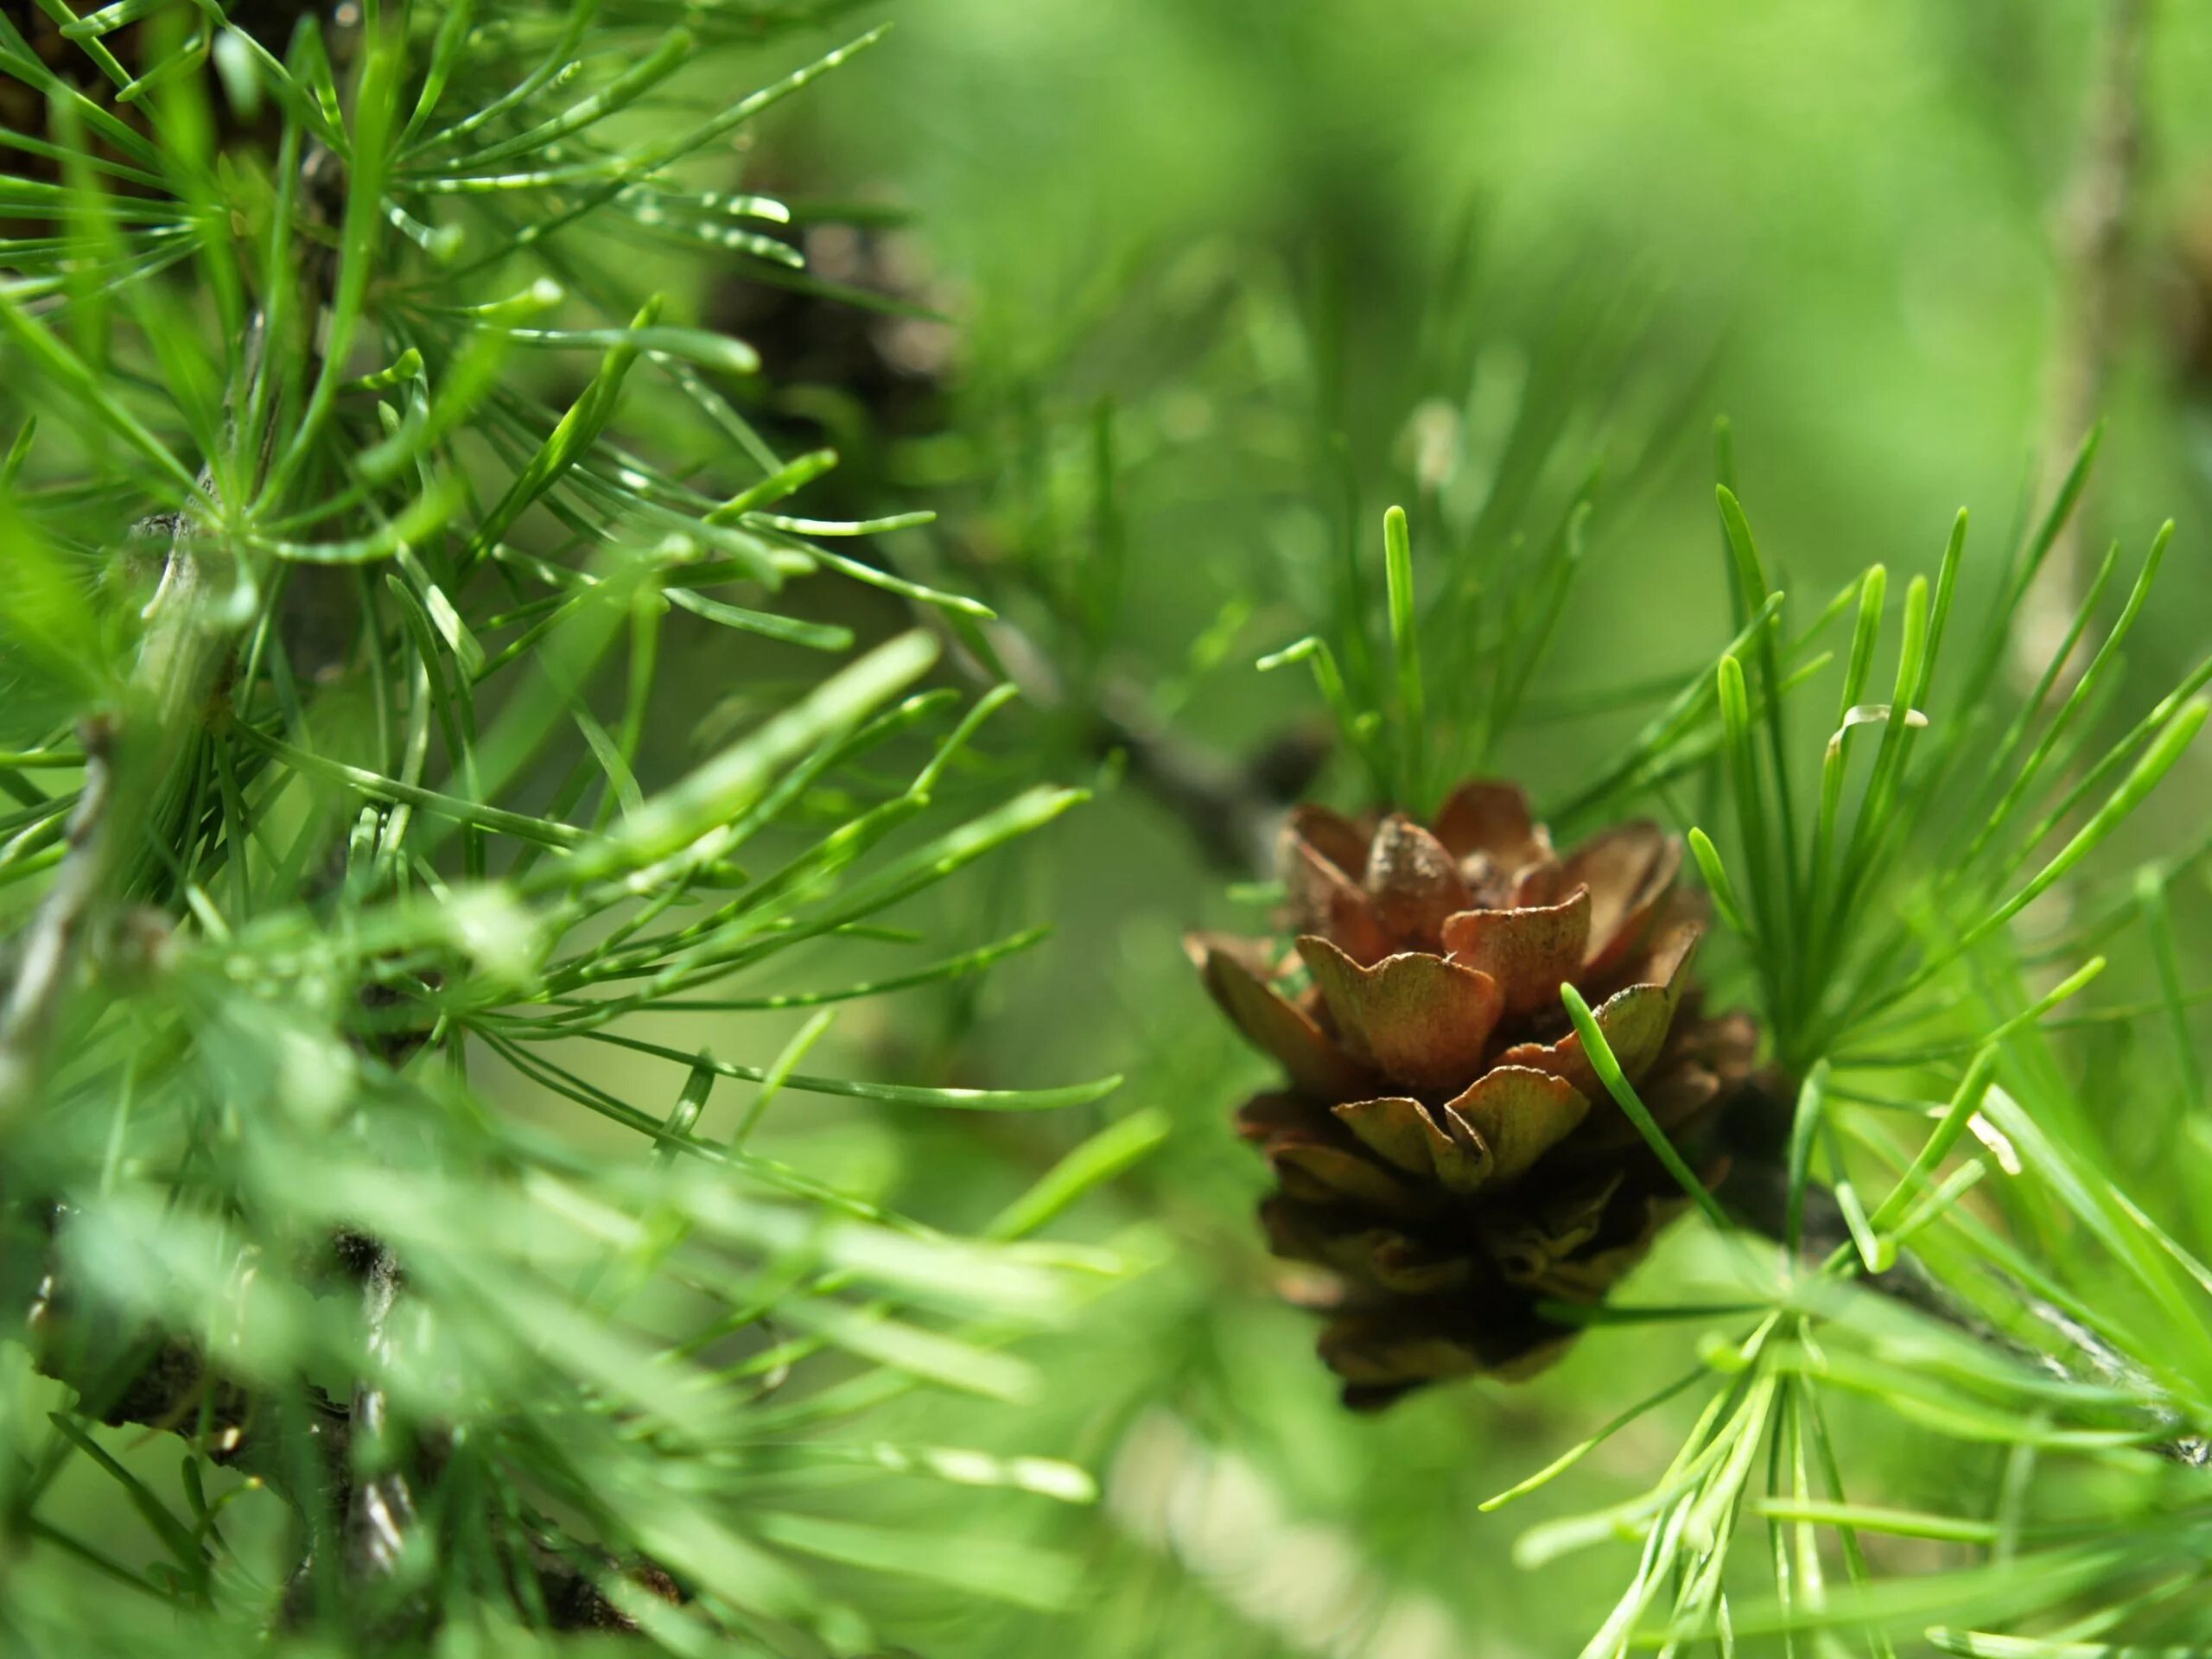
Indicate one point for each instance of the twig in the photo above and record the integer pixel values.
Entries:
(2093, 236)
(50, 948)
(1756, 1192)
(380, 1509)
(1231, 810)
(172, 667)
(1754, 1134)
(166, 1385)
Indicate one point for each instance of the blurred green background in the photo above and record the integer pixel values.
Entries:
(1229, 275)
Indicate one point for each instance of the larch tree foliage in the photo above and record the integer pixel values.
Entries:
(363, 462)
(434, 670)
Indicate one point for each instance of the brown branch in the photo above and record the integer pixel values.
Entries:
(125, 1377)
(2092, 234)
(50, 950)
(124, 747)
(1756, 1193)
(380, 1508)
(1232, 808)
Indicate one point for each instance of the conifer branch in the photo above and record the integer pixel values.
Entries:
(173, 1387)
(1756, 1195)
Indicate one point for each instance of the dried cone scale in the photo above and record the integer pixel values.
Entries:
(1442, 1146)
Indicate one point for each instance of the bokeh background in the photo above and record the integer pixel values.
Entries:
(1224, 279)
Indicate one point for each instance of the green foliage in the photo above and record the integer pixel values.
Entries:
(527, 1067)
(1875, 939)
(348, 538)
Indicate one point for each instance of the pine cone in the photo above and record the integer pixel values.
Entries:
(1443, 1145)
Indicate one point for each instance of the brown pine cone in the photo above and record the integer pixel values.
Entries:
(1443, 1145)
